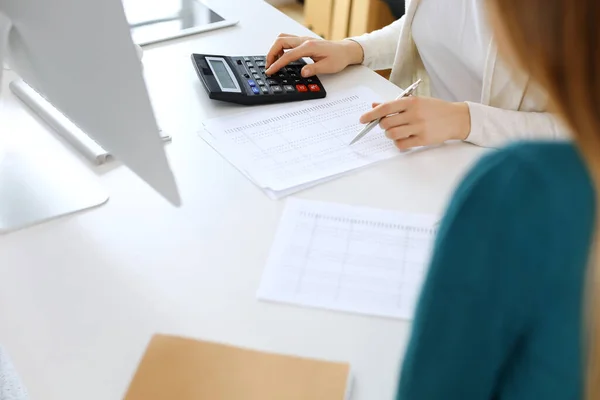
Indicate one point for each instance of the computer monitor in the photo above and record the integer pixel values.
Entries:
(80, 56)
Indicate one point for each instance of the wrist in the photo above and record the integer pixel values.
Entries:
(354, 51)
(463, 121)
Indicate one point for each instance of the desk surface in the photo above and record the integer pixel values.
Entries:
(81, 296)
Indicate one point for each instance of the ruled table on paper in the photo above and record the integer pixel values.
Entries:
(292, 145)
(348, 258)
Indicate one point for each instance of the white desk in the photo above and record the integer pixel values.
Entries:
(81, 296)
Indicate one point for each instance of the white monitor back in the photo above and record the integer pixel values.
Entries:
(80, 56)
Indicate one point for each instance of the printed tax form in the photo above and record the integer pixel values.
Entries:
(285, 148)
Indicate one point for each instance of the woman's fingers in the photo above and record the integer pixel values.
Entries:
(277, 49)
(385, 109)
(402, 132)
(410, 142)
(404, 118)
(306, 49)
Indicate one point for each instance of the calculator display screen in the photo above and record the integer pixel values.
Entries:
(222, 74)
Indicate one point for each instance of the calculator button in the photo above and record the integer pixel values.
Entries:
(289, 88)
(276, 89)
(260, 83)
(246, 76)
(314, 88)
(294, 75)
(281, 75)
(264, 89)
(251, 82)
(301, 88)
(253, 71)
(259, 59)
(310, 80)
(248, 63)
(285, 81)
(297, 62)
(256, 76)
(260, 64)
(272, 82)
(246, 58)
(255, 90)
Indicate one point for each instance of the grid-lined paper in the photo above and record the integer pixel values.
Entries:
(290, 145)
(348, 258)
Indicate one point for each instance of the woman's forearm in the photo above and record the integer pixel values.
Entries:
(495, 127)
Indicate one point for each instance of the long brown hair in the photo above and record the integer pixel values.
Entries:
(558, 43)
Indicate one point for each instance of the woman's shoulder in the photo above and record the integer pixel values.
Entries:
(548, 171)
(528, 209)
(540, 192)
(542, 153)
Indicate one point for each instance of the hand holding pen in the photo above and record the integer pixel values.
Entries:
(407, 92)
(412, 121)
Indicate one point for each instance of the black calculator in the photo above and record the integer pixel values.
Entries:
(242, 80)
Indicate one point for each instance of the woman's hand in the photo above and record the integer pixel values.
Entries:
(329, 57)
(421, 121)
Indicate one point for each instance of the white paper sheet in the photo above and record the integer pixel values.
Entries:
(347, 258)
(292, 146)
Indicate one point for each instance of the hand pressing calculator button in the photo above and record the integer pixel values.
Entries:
(242, 80)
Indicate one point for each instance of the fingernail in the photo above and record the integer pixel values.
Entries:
(305, 72)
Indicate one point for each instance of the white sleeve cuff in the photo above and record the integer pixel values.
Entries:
(368, 56)
(478, 118)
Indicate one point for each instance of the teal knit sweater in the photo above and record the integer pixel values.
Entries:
(501, 312)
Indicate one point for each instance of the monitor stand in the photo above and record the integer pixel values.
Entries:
(78, 139)
(35, 188)
(36, 185)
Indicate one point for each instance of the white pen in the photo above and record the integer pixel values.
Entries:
(409, 90)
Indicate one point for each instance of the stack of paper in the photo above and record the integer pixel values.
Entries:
(348, 258)
(289, 147)
(183, 369)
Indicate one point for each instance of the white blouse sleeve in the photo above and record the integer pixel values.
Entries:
(380, 46)
(495, 127)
